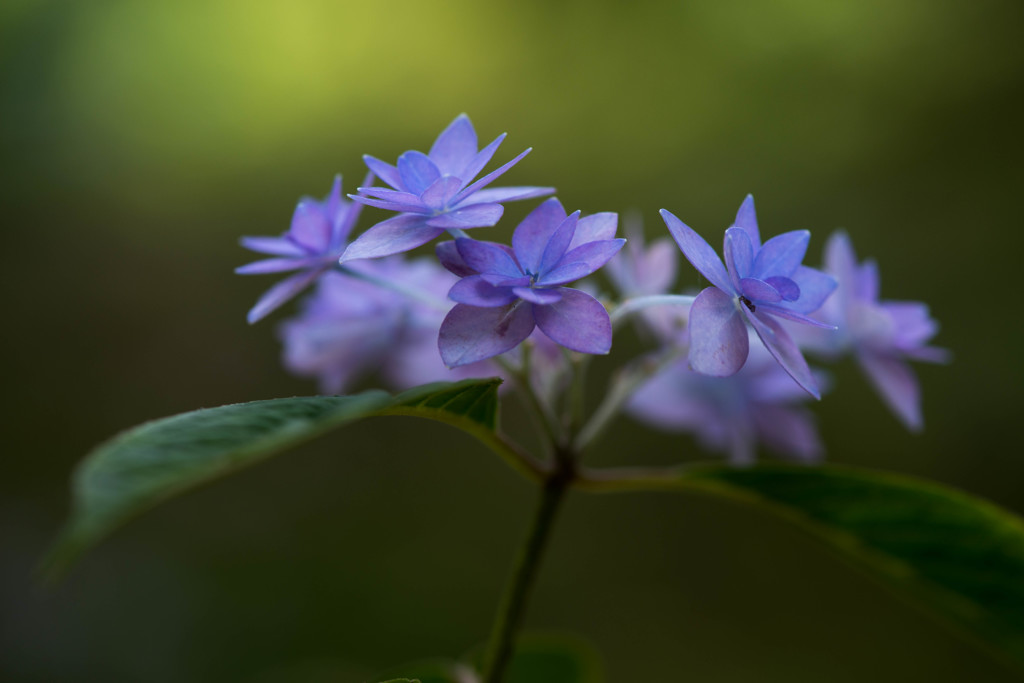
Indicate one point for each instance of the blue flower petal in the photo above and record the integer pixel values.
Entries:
(718, 338)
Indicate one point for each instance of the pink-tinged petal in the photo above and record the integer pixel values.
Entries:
(276, 265)
(783, 349)
(280, 293)
(815, 286)
(787, 289)
(533, 234)
(739, 254)
(578, 322)
(488, 258)
(275, 246)
(475, 291)
(390, 205)
(393, 236)
(418, 172)
(469, 333)
(895, 382)
(759, 291)
(598, 226)
(467, 193)
(781, 255)
(559, 242)
(788, 430)
(658, 267)
(332, 205)
(582, 261)
(349, 216)
(866, 285)
(930, 354)
(476, 216)
(440, 192)
(455, 147)
(543, 297)
(508, 194)
(449, 256)
(782, 311)
(719, 342)
(746, 218)
(698, 252)
(310, 227)
(385, 171)
(480, 160)
(841, 263)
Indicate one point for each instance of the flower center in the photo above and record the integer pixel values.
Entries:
(746, 302)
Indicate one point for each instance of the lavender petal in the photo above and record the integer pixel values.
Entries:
(488, 257)
(476, 291)
(469, 334)
(276, 265)
(448, 255)
(440, 192)
(385, 171)
(559, 242)
(475, 216)
(784, 350)
(598, 226)
(418, 172)
(480, 160)
(719, 342)
(815, 287)
(746, 218)
(578, 322)
(739, 254)
(455, 147)
(489, 178)
(533, 234)
(280, 293)
(781, 255)
(274, 246)
(509, 194)
(759, 291)
(543, 297)
(582, 261)
(897, 385)
(393, 236)
(698, 252)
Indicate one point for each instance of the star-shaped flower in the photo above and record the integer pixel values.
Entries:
(504, 293)
(312, 245)
(757, 284)
(350, 327)
(435, 192)
(760, 403)
(883, 335)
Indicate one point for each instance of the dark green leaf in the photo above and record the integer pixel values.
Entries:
(160, 459)
(958, 555)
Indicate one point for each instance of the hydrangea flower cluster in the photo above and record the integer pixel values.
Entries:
(727, 364)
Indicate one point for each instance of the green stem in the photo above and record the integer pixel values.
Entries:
(517, 591)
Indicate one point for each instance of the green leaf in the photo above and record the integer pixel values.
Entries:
(958, 555)
(161, 459)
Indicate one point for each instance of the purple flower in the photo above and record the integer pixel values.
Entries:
(435, 192)
(640, 270)
(505, 292)
(758, 284)
(760, 403)
(350, 327)
(882, 335)
(316, 238)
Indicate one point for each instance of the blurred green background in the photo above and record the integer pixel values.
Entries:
(140, 139)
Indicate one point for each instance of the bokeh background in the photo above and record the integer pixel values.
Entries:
(138, 140)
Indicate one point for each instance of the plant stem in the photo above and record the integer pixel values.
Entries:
(517, 591)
